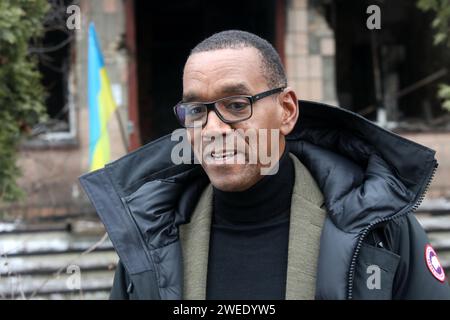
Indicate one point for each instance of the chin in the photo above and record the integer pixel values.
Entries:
(233, 180)
(227, 186)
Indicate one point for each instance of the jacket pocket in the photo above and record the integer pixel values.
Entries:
(374, 273)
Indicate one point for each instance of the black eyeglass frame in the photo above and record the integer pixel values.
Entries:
(212, 106)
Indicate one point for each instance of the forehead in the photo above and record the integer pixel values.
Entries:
(210, 74)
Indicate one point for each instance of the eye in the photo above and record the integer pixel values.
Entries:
(237, 106)
(195, 110)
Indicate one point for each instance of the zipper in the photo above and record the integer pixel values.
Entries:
(364, 233)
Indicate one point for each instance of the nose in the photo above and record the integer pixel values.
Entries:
(214, 126)
(214, 122)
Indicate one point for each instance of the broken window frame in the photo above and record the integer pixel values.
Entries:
(43, 135)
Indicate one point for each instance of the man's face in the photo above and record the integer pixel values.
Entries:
(213, 75)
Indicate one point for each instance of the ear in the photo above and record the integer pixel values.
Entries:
(289, 103)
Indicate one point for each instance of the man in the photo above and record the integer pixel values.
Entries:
(332, 217)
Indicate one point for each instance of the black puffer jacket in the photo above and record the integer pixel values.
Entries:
(372, 181)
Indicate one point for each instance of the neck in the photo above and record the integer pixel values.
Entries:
(265, 200)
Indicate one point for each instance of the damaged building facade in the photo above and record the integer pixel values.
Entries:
(389, 75)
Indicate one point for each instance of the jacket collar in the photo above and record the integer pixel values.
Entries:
(365, 172)
(307, 218)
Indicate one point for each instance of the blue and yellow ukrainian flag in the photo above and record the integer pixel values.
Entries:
(101, 104)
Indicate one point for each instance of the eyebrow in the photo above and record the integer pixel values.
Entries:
(227, 90)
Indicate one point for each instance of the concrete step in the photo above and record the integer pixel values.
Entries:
(37, 260)
(435, 204)
(95, 295)
(80, 227)
(29, 286)
(440, 206)
(433, 223)
(48, 264)
(440, 241)
(12, 227)
(44, 243)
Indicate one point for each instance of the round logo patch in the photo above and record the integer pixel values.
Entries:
(433, 263)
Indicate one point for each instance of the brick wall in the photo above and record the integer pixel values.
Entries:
(441, 143)
(310, 50)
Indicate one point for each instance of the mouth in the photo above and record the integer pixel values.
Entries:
(221, 157)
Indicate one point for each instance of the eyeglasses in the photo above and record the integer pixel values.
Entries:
(230, 109)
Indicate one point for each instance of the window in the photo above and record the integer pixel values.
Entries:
(55, 52)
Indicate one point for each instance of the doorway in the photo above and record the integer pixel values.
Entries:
(165, 34)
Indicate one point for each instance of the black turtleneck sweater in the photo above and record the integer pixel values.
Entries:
(249, 238)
